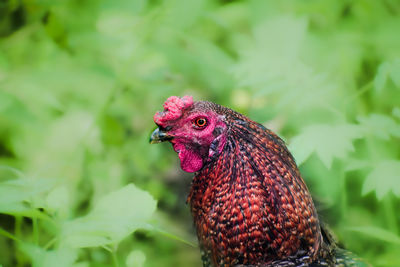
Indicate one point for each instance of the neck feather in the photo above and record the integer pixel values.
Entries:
(250, 204)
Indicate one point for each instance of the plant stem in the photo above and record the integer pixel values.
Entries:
(18, 234)
(115, 257)
(18, 226)
(343, 189)
(113, 251)
(389, 214)
(50, 243)
(9, 235)
(35, 226)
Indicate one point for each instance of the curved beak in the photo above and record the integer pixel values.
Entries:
(159, 136)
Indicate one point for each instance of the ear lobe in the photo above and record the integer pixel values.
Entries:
(217, 131)
(216, 146)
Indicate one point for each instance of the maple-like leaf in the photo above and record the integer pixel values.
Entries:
(380, 125)
(328, 141)
(384, 177)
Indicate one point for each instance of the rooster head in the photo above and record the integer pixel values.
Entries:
(195, 129)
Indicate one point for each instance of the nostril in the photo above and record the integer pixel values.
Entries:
(165, 129)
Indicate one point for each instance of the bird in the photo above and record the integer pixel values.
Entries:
(249, 202)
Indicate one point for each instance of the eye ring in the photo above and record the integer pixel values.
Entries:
(200, 122)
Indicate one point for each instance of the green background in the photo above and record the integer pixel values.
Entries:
(80, 81)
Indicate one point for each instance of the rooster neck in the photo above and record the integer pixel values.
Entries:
(250, 204)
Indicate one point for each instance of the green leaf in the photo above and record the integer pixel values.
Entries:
(383, 178)
(381, 126)
(22, 190)
(55, 29)
(18, 196)
(385, 71)
(114, 217)
(396, 112)
(273, 66)
(23, 209)
(64, 257)
(183, 13)
(58, 200)
(395, 72)
(6, 101)
(171, 235)
(264, 64)
(377, 233)
(328, 141)
(58, 149)
(356, 164)
(381, 76)
(112, 131)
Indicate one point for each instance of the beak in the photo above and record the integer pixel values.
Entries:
(159, 136)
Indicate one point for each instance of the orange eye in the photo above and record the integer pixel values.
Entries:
(200, 122)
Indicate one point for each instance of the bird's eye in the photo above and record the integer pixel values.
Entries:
(200, 122)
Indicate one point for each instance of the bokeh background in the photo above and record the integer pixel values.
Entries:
(81, 79)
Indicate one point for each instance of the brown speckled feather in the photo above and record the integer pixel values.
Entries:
(250, 205)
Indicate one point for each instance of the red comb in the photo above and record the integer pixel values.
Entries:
(173, 108)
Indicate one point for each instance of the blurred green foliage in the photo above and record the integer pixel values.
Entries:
(80, 81)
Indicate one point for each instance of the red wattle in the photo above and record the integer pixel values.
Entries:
(190, 161)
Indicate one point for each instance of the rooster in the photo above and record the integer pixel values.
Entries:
(249, 202)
